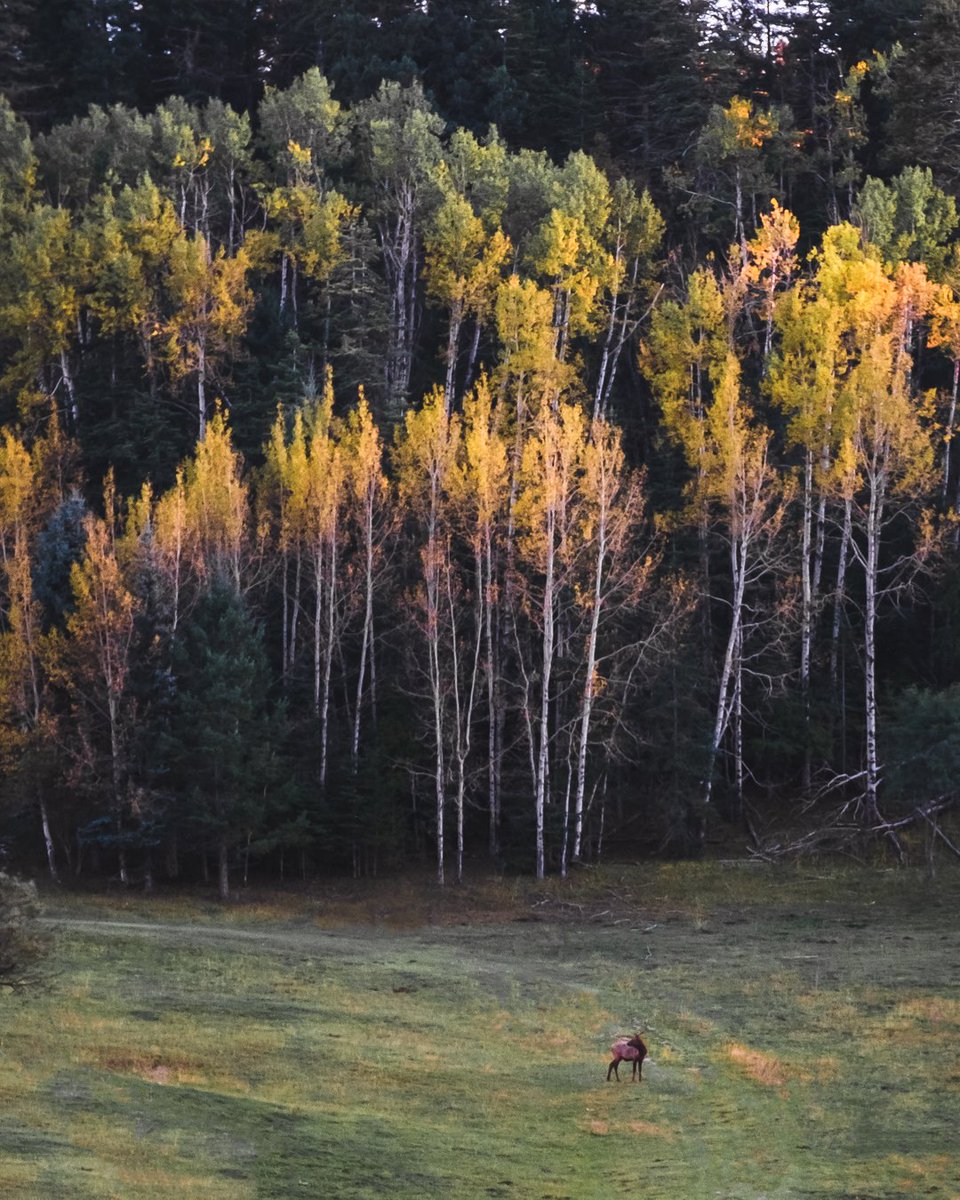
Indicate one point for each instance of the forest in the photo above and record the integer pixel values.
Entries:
(515, 431)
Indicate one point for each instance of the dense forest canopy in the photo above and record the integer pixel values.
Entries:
(499, 429)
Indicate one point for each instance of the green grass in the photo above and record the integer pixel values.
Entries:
(390, 1040)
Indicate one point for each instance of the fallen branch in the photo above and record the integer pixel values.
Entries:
(840, 833)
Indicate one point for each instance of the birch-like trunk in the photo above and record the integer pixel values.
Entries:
(949, 431)
(295, 607)
(283, 283)
(328, 663)
(440, 793)
(463, 705)
(589, 688)
(738, 765)
(613, 346)
(223, 869)
(73, 410)
(493, 756)
(284, 611)
(202, 389)
(543, 751)
(399, 246)
(840, 595)
(806, 616)
(453, 346)
(730, 668)
(48, 837)
(871, 581)
(318, 602)
(472, 357)
(366, 649)
(432, 597)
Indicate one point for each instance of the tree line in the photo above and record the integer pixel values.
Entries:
(374, 489)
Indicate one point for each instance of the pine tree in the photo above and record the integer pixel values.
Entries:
(924, 125)
(651, 97)
(220, 740)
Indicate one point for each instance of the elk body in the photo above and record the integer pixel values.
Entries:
(630, 1050)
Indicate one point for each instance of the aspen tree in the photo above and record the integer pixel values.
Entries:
(310, 218)
(43, 285)
(944, 335)
(400, 147)
(839, 270)
(24, 656)
(327, 470)
(133, 237)
(183, 151)
(684, 357)
(908, 220)
(462, 267)
(171, 536)
(569, 252)
(216, 509)
(734, 139)
(311, 471)
(612, 573)
(805, 379)
(771, 262)
(302, 128)
(483, 483)
(230, 162)
(531, 381)
(367, 492)
(425, 459)
(891, 456)
(632, 236)
(545, 513)
(210, 302)
(739, 482)
(846, 135)
(528, 371)
(95, 665)
(478, 170)
(284, 491)
(306, 113)
(23, 683)
(18, 168)
(529, 377)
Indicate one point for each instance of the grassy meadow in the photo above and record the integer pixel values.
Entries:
(390, 1040)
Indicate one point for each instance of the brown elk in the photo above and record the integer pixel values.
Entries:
(630, 1050)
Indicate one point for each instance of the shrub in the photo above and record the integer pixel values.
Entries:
(23, 944)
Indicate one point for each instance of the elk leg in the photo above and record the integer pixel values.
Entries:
(615, 1068)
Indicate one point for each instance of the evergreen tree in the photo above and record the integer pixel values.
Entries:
(650, 95)
(60, 544)
(857, 28)
(59, 57)
(221, 739)
(544, 59)
(200, 51)
(924, 125)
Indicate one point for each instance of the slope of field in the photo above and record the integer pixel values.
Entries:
(804, 1031)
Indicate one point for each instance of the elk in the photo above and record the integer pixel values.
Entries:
(630, 1050)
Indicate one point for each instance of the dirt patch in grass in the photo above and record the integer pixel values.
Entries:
(152, 1067)
(758, 1066)
(938, 1010)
